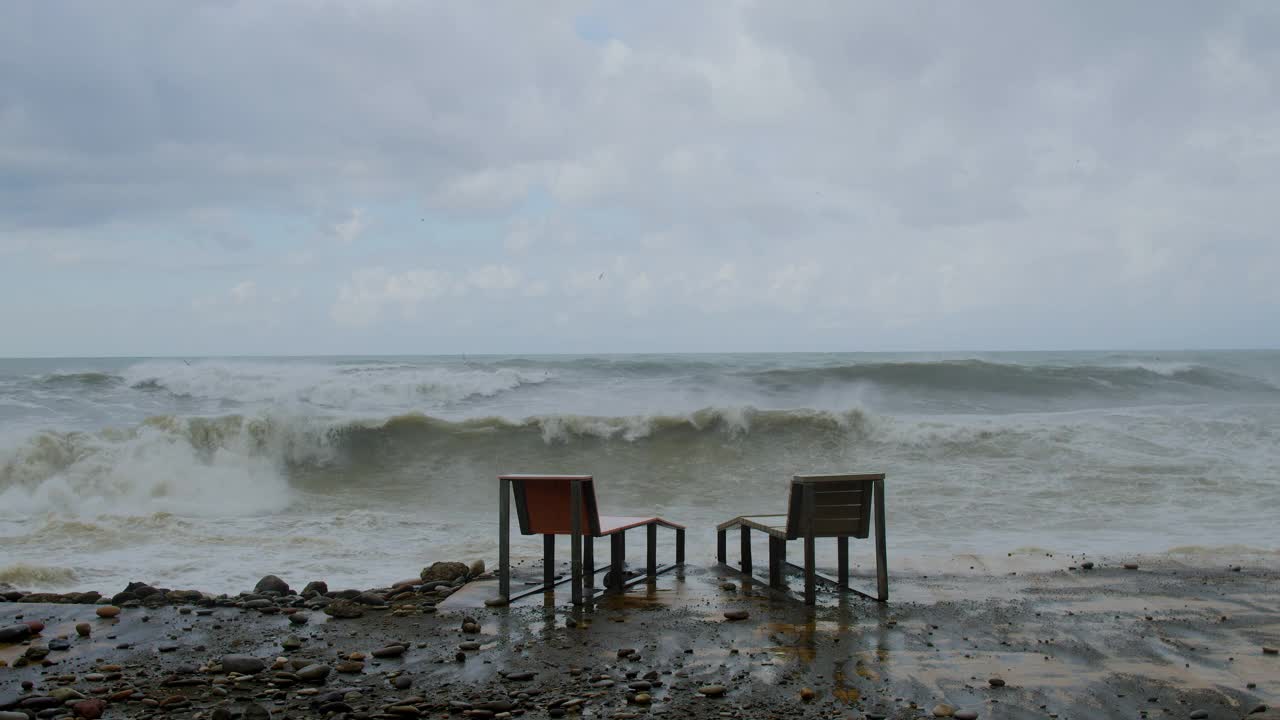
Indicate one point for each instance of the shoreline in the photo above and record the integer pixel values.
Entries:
(1162, 640)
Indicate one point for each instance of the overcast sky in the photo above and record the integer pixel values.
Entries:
(272, 177)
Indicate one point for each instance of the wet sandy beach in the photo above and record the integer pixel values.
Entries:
(1162, 640)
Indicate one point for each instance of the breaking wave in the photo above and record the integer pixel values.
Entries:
(969, 376)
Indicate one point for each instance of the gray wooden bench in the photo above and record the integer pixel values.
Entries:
(819, 506)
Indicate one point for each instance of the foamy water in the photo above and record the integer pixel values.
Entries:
(211, 473)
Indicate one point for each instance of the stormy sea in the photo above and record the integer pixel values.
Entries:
(209, 473)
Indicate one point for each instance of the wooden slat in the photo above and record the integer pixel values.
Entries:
(826, 527)
(840, 497)
(853, 512)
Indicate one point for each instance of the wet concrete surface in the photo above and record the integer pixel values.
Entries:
(1159, 642)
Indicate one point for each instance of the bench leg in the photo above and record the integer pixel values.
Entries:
(651, 549)
(504, 539)
(882, 562)
(777, 559)
(589, 560)
(548, 560)
(810, 568)
(722, 555)
(575, 541)
(680, 546)
(618, 561)
(842, 551)
(746, 550)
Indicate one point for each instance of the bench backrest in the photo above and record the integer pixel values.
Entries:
(841, 505)
(542, 504)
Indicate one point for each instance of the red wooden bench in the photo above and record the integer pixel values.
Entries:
(551, 505)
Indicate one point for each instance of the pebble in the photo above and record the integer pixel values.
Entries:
(90, 709)
(996, 682)
(59, 645)
(1087, 565)
(497, 601)
(350, 667)
(343, 609)
(807, 694)
(966, 715)
(243, 664)
(1131, 566)
(403, 682)
(299, 618)
(736, 614)
(391, 651)
(1199, 714)
(943, 710)
(521, 676)
(254, 711)
(712, 690)
(14, 633)
(84, 629)
(469, 646)
(1267, 650)
(108, 611)
(314, 673)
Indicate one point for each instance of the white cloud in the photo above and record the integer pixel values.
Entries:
(349, 230)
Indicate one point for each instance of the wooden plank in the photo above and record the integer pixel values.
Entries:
(829, 527)
(839, 477)
(839, 497)
(839, 511)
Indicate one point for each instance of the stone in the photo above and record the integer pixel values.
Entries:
(1267, 650)
(343, 609)
(370, 598)
(293, 642)
(84, 629)
(1131, 566)
(1199, 714)
(736, 614)
(446, 571)
(497, 601)
(5, 715)
(390, 651)
(63, 694)
(966, 715)
(315, 587)
(14, 633)
(299, 618)
(314, 673)
(59, 645)
(520, 676)
(36, 626)
(402, 682)
(943, 710)
(254, 711)
(476, 569)
(349, 667)
(271, 583)
(90, 709)
(243, 664)
(1260, 709)
(712, 690)
(107, 611)
(807, 694)
(730, 587)
(996, 682)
